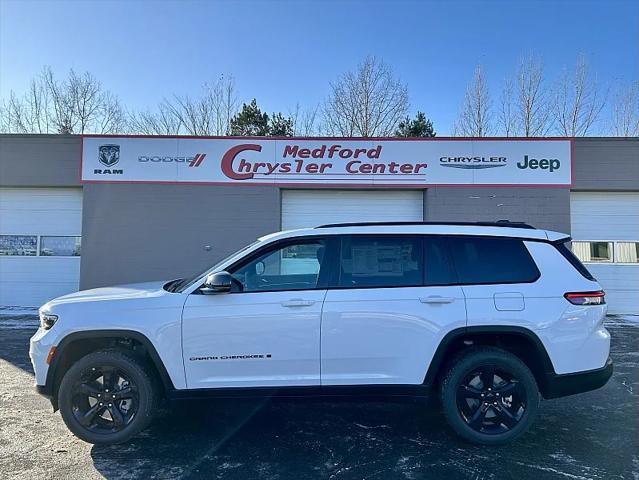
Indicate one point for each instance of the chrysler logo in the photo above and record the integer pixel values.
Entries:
(109, 155)
(472, 163)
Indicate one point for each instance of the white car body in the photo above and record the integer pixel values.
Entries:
(332, 336)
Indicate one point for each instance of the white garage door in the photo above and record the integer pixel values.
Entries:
(310, 208)
(40, 232)
(605, 232)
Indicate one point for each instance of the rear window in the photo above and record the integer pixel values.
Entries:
(488, 260)
(574, 261)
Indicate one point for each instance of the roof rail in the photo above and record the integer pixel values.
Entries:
(498, 223)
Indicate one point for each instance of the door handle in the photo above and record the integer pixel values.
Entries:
(298, 302)
(436, 299)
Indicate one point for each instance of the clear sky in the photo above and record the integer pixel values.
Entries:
(288, 52)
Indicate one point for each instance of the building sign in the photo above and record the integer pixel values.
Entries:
(326, 162)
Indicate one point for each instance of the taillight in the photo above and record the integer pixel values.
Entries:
(586, 298)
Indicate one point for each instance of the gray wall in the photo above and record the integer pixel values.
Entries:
(39, 161)
(547, 208)
(141, 232)
(133, 233)
(610, 164)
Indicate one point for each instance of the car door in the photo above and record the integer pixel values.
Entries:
(393, 300)
(266, 331)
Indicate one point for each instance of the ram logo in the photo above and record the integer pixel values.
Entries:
(109, 155)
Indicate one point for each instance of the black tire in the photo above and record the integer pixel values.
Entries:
(98, 414)
(489, 396)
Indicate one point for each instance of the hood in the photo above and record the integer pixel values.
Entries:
(118, 292)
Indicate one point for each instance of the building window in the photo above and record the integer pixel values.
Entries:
(594, 252)
(627, 252)
(59, 246)
(19, 245)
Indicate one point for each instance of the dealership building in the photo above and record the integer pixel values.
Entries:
(78, 212)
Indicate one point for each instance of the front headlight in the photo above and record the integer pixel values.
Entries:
(47, 320)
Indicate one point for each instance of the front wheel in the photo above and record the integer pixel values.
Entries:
(107, 397)
(489, 396)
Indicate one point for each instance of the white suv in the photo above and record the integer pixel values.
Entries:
(490, 316)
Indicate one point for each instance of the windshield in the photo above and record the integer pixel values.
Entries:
(187, 282)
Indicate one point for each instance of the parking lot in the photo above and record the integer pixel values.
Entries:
(593, 435)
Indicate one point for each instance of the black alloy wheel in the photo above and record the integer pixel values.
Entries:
(105, 399)
(489, 395)
(108, 396)
(491, 400)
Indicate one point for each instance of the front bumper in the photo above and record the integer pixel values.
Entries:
(39, 347)
(571, 383)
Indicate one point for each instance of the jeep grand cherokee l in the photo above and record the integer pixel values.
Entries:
(490, 317)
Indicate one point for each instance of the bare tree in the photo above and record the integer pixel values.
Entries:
(77, 104)
(579, 101)
(208, 114)
(367, 102)
(625, 111)
(86, 98)
(161, 122)
(225, 104)
(112, 117)
(507, 114)
(534, 107)
(475, 118)
(13, 115)
(28, 114)
(63, 115)
(193, 114)
(304, 120)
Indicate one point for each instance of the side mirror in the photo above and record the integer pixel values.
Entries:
(219, 282)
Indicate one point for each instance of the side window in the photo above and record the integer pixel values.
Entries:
(379, 261)
(293, 266)
(486, 260)
(437, 263)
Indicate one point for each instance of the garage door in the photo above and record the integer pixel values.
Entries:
(39, 244)
(310, 208)
(605, 232)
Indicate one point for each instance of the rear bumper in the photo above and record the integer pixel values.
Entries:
(571, 383)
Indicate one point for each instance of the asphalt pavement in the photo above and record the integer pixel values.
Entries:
(594, 435)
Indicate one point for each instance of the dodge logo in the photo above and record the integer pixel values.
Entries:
(109, 155)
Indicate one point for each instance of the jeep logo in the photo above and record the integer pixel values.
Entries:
(551, 164)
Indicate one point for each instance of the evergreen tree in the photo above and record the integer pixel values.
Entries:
(250, 121)
(419, 127)
(281, 126)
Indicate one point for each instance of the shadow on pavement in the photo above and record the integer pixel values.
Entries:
(15, 332)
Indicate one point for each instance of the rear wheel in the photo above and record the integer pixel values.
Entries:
(107, 397)
(489, 396)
